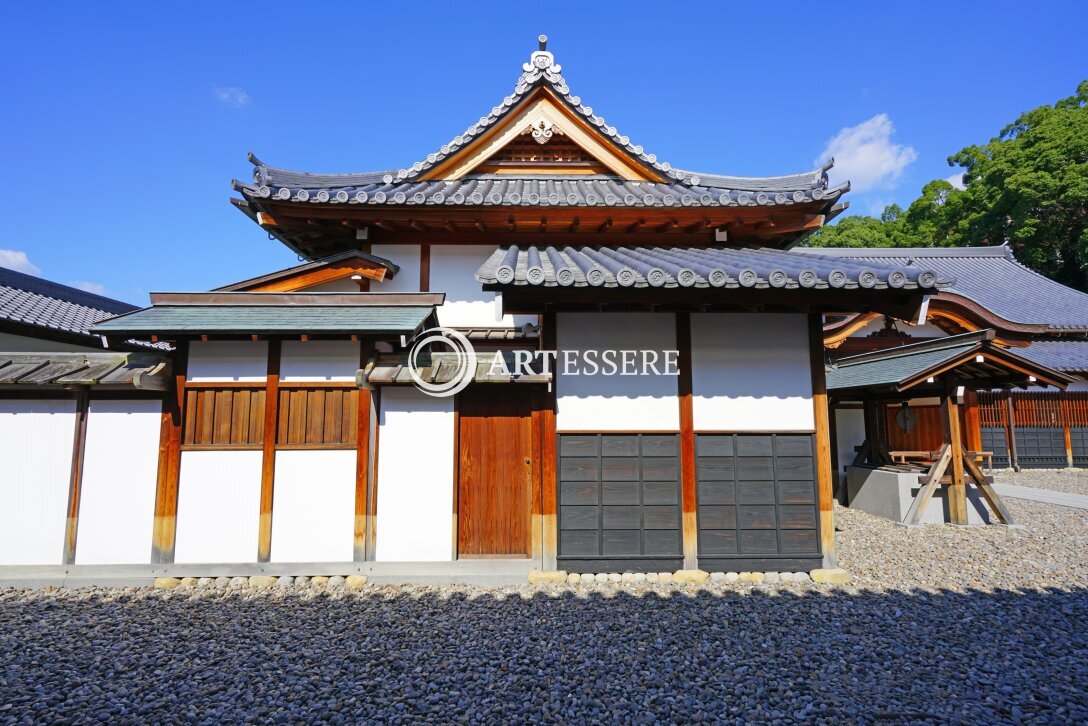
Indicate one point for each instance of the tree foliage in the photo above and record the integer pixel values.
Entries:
(1027, 188)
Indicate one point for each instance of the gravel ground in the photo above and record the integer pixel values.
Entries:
(940, 624)
(1071, 481)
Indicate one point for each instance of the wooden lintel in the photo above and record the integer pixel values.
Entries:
(479, 225)
(417, 225)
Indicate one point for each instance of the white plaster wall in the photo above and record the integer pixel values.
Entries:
(407, 258)
(415, 477)
(120, 468)
(11, 343)
(616, 403)
(219, 499)
(228, 360)
(849, 432)
(750, 372)
(319, 360)
(313, 507)
(35, 468)
(453, 271)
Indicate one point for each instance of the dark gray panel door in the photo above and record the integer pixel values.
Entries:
(1040, 448)
(993, 440)
(756, 498)
(619, 501)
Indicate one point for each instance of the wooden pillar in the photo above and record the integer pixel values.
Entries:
(164, 529)
(424, 268)
(75, 482)
(957, 490)
(972, 429)
(549, 524)
(372, 489)
(1010, 429)
(824, 488)
(1065, 429)
(687, 443)
(362, 458)
(268, 461)
(536, 515)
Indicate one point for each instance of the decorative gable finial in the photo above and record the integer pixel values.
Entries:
(542, 59)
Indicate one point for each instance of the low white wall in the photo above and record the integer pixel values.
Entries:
(616, 402)
(319, 360)
(219, 499)
(750, 372)
(453, 271)
(407, 258)
(120, 468)
(35, 470)
(228, 360)
(313, 506)
(415, 477)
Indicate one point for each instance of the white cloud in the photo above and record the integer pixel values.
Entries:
(94, 287)
(956, 180)
(231, 96)
(866, 155)
(18, 261)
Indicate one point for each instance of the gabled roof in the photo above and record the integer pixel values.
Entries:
(421, 183)
(337, 266)
(972, 357)
(692, 267)
(989, 277)
(35, 306)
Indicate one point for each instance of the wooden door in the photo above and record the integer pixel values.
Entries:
(494, 487)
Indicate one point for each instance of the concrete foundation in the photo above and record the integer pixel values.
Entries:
(889, 494)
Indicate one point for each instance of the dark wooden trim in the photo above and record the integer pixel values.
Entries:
(424, 268)
(75, 482)
(549, 455)
(687, 442)
(759, 564)
(454, 553)
(164, 531)
(1010, 431)
(268, 460)
(822, 462)
(362, 459)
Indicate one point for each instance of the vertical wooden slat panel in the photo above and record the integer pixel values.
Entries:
(334, 412)
(239, 425)
(75, 482)
(350, 415)
(268, 460)
(205, 416)
(823, 438)
(191, 407)
(315, 416)
(256, 417)
(296, 427)
(224, 402)
(690, 533)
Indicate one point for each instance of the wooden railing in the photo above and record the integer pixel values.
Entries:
(1042, 409)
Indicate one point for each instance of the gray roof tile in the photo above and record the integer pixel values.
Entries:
(30, 300)
(988, 276)
(1061, 355)
(692, 267)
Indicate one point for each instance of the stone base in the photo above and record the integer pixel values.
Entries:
(889, 494)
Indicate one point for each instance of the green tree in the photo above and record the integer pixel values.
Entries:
(1027, 188)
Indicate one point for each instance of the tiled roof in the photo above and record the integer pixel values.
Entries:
(1061, 355)
(444, 367)
(403, 186)
(988, 276)
(144, 371)
(29, 300)
(692, 267)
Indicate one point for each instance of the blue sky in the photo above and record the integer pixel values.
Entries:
(122, 126)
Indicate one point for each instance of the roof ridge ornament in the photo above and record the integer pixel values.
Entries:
(542, 58)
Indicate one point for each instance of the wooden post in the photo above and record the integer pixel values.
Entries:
(268, 461)
(1065, 430)
(372, 468)
(164, 529)
(687, 443)
(75, 482)
(957, 490)
(972, 429)
(424, 268)
(536, 526)
(548, 442)
(362, 458)
(823, 439)
(1014, 459)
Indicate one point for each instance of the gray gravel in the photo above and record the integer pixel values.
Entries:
(1071, 481)
(940, 624)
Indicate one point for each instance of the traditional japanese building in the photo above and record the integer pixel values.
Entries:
(299, 433)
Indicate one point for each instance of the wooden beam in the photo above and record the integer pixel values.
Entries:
(164, 528)
(1014, 458)
(957, 492)
(362, 458)
(669, 225)
(479, 225)
(266, 220)
(424, 268)
(605, 225)
(511, 225)
(824, 483)
(268, 460)
(929, 485)
(1066, 433)
(636, 225)
(75, 479)
(387, 226)
(449, 226)
(543, 224)
(574, 224)
(690, 535)
(417, 225)
(986, 490)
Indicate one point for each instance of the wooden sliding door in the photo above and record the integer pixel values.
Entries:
(494, 486)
